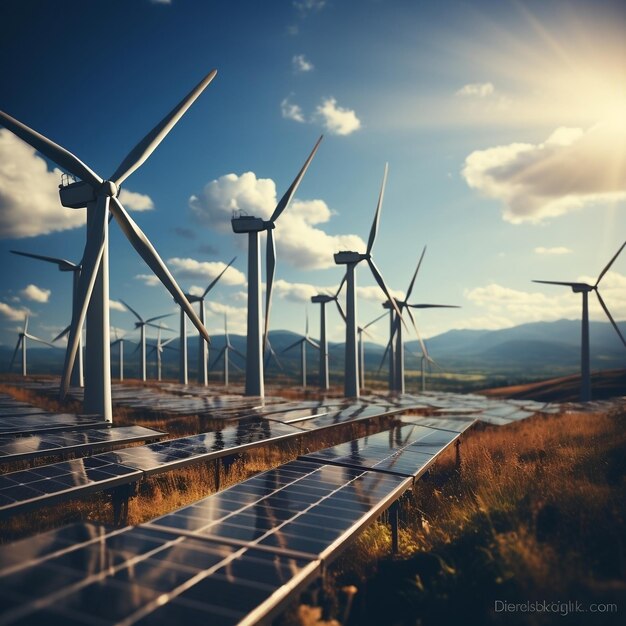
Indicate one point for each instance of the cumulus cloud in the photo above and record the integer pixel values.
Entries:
(298, 238)
(374, 293)
(134, 201)
(36, 294)
(476, 90)
(335, 119)
(291, 111)
(572, 169)
(12, 313)
(556, 250)
(29, 194)
(301, 64)
(190, 268)
(297, 292)
(115, 305)
(150, 280)
(237, 318)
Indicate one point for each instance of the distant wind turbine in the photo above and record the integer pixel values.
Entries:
(228, 346)
(76, 379)
(303, 343)
(21, 342)
(141, 325)
(203, 349)
(252, 226)
(584, 289)
(119, 341)
(101, 197)
(158, 348)
(362, 330)
(351, 260)
(323, 300)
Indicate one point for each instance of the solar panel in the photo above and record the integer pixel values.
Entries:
(33, 446)
(47, 484)
(146, 576)
(47, 422)
(405, 450)
(300, 507)
(454, 423)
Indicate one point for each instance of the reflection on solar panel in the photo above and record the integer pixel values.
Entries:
(32, 446)
(146, 576)
(47, 422)
(455, 423)
(299, 507)
(406, 450)
(48, 484)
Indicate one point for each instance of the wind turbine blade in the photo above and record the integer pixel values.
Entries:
(341, 311)
(556, 282)
(270, 261)
(382, 361)
(62, 263)
(312, 343)
(433, 306)
(343, 280)
(137, 348)
(366, 333)
(374, 229)
(292, 345)
(149, 143)
(147, 252)
(306, 324)
(132, 310)
(159, 317)
(29, 336)
(17, 347)
(419, 337)
(275, 356)
(380, 317)
(286, 199)
(157, 326)
(25, 324)
(417, 269)
(62, 333)
(608, 265)
(218, 357)
(166, 343)
(238, 353)
(62, 157)
(92, 257)
(381, 283)
(608, 314)
(214, 282)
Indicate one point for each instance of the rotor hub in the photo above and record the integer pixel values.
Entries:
(109, 188)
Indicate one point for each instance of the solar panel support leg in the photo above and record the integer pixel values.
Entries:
(393, 522)
(119, 499)
(457, 460)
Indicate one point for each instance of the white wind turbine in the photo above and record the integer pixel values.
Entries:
(362, 330)
(397, 351)
(21, 342)
(158, 348)
(584, 289)
(228, 347)
(65, 266)
(323, 299)
(303, 343)
(141, 325)
(119, 341)
(252, 226)
(101, 197)
(203, 350)
(351, 260)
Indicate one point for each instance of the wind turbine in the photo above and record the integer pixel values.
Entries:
(21, 342)
(253, 226)
(66, 266)
(225, 350)
(141, 324)
(396, 329)
(203, 350)
(158, 348)
(119, 341)
(303, 343)
(361, 330)
(323, 299)
(101, 197)
(584, 289)
(351, 259)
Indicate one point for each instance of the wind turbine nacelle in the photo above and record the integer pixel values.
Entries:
(247, 224)
(76, 195)
(345, 258)
(321, 299)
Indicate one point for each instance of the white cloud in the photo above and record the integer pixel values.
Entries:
(149, 280)
(299, 240)
(301, 64)
(297, 292)
(556, 250)
(374, 293)
(190, 268)
(136, 201)
(570, 170)
(29, 194)
(476, 90)
(335, 119)
(237, 318)
(12, 313)
(306, 6)
(36, 294)
(115, 305)
(291, 111)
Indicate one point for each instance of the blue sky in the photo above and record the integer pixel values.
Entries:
(502, 123)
